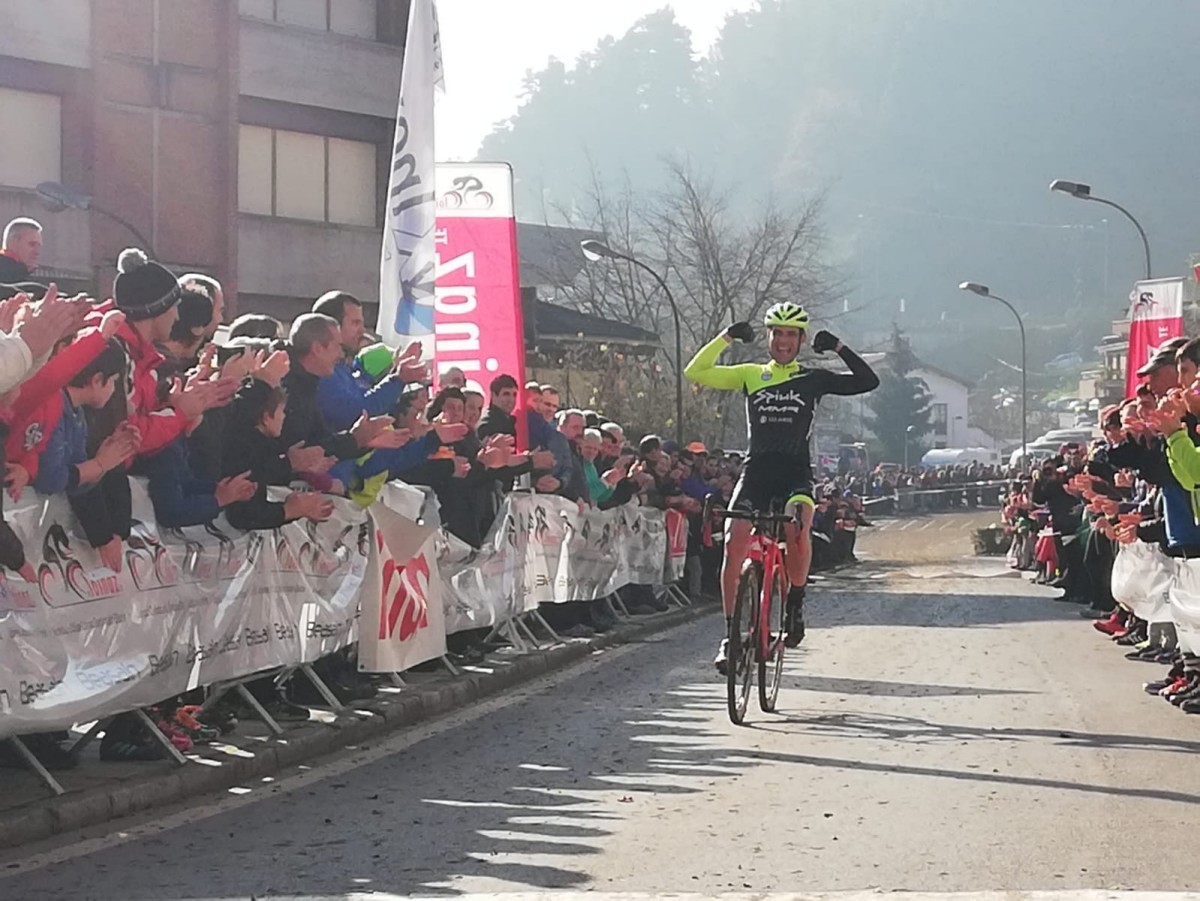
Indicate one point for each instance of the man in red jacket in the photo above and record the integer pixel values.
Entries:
(147, 293)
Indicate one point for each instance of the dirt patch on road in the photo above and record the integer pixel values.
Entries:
(935, 538)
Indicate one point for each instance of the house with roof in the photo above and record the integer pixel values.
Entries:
(949, 403)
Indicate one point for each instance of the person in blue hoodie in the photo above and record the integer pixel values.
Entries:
(351, 389)
(65, 466)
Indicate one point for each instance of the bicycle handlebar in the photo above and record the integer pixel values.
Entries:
(755, 516)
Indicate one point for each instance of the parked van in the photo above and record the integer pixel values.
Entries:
(959, 456)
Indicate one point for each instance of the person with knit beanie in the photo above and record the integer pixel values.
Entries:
(148, 294)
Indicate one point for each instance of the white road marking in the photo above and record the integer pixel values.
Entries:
(925, 526)
(1064, 895)
(911, 522)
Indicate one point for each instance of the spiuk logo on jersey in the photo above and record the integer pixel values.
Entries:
(776, 400)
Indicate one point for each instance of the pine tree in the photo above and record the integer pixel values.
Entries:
(901, 401)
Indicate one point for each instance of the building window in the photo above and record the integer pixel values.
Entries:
(941, 418)
(31, 151)
(354, 18)
(305, 176)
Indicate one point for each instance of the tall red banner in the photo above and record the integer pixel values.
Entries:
(477, 309)
(1155, 317)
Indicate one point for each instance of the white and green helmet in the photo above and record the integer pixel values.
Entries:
(787, 315)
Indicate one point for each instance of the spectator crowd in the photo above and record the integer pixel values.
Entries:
(1116, 525)
(151, 384)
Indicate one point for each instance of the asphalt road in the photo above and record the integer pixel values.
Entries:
(946, 728)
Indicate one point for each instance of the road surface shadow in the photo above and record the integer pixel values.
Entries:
(522, 797)
(858, 725)
(938, 606)
(878, 688)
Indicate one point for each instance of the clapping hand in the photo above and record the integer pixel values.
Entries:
(390, 439)
(1167, 417)
(235, 489)
(308, 459)
(367, 428)
(271, 368)
(408, 365)
(118, 447)
(17, 478)
(111, 323)
(42, 324)
(542, 460)
(304, 505)
(496, 452)
(450, 432)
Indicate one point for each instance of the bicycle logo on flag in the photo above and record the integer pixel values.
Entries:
(468, 193)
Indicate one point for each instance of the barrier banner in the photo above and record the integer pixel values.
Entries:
(677, 542)
(190, 607)
(196, 606)
(485, 587)
(1142, 578)
(644, 545)
(1185, 605)
(573, 556)
(542, 550)
(403, 618)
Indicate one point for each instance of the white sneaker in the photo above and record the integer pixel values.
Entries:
(722, 658)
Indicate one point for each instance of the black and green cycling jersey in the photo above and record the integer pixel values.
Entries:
(781, 399)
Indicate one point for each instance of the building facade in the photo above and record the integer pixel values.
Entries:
(245, 138)
(949, 405)
(1105, 384)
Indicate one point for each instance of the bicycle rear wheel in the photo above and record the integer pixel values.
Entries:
(770, 670)
(743, 642)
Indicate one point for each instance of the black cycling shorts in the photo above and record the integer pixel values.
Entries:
(778, 480)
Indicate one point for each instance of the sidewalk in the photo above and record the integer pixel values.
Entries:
(97, 791)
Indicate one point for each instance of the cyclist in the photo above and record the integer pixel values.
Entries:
(781, 399)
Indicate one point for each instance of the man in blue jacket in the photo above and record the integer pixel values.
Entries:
(350, 390)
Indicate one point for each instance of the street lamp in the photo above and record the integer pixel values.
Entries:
(1084, 192)
(907, 439)
(58, 197)
(984, 291)
(595, 251)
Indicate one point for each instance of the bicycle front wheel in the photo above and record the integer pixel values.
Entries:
(743, 643)
(770, 668)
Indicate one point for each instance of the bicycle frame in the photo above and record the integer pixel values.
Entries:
(767, 551)
(767, 541)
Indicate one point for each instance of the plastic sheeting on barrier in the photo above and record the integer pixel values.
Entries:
(403, 622)
(1142, 576)
(208, 604)
(1185, 604)
(541, 550)
(190, 607)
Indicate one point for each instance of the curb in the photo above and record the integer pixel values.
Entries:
(414, 705)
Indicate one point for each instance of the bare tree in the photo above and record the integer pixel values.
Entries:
(722, 264)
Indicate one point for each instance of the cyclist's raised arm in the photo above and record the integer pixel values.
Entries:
(861, 378)
(703, 370)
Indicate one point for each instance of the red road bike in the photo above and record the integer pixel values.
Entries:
(756, 630)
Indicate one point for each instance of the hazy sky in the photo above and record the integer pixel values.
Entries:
(488, 45)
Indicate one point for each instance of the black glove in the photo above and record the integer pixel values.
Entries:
(741, 331)
(824, 341)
